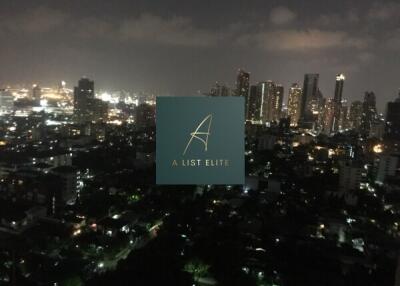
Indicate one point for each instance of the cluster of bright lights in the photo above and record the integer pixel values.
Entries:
(378, 148)
(340, 77)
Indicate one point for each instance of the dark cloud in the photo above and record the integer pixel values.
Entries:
(384, 11)
(36, 21)
(392, 40)
(345, 20)
(307, 40)
(178, 31)
(90, 28)
(281, 15)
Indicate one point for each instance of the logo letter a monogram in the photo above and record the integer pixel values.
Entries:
(197, 134)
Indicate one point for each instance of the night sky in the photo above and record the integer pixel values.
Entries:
(183, 47)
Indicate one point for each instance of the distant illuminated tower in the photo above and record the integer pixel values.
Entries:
(242, 86)
(254, 104)
(265, 102)
(337, 100)
(369, 115)
(344, 121)
(392, 130)
(257, 98)
(220, 90)
(36, 93)
(86, 106)
(340, 78)
(242, 83)
(83, 93)
(61, 87)
(294, 104)
(269, 99)
(62, 84)
(309, 97)
(277, 102)
(356, 114)
(145, 115)
(328, 116)
(6, 101)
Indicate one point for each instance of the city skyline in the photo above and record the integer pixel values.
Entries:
(220, 143)
(135, 45)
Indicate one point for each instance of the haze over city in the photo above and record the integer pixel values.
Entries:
(183, 47)
(291, 177)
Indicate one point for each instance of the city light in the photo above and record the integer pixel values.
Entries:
(318, 121)
(378, 148)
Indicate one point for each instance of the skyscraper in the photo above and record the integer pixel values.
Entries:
(344, 121)
(265, 102)
(242, 87)
(6, 101)
(254, 105)
(145, 115)
(242, 83)
(220, 90)
(369, 114)
(269, 99)
(355, 117)
(36, 94)
(340, 78)
(257, 101)
(83, 92)
(309, 97)
(294, 104)
(86, 106)
(326, 118)
(337, 100)
(277, 102)
(392, 130)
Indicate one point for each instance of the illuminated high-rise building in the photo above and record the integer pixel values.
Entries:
(355, 116)
(243, 86)
(220, 90)
(266, 101)
(268, 105)
(36, 93)
(392, 130)
(340, 78)
(317, 111)
(145, 115)
(86, 106)
(62, 88)
(277, 102)
(257, 101)
(6, 101)
(294, 104)
(337, 100)
(83, 92)
(242, 83)
(309, 100)
(326, 118)
(369, 115)
(344, 118)
(254, 109)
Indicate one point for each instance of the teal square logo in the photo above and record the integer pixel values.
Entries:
(200, 140)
